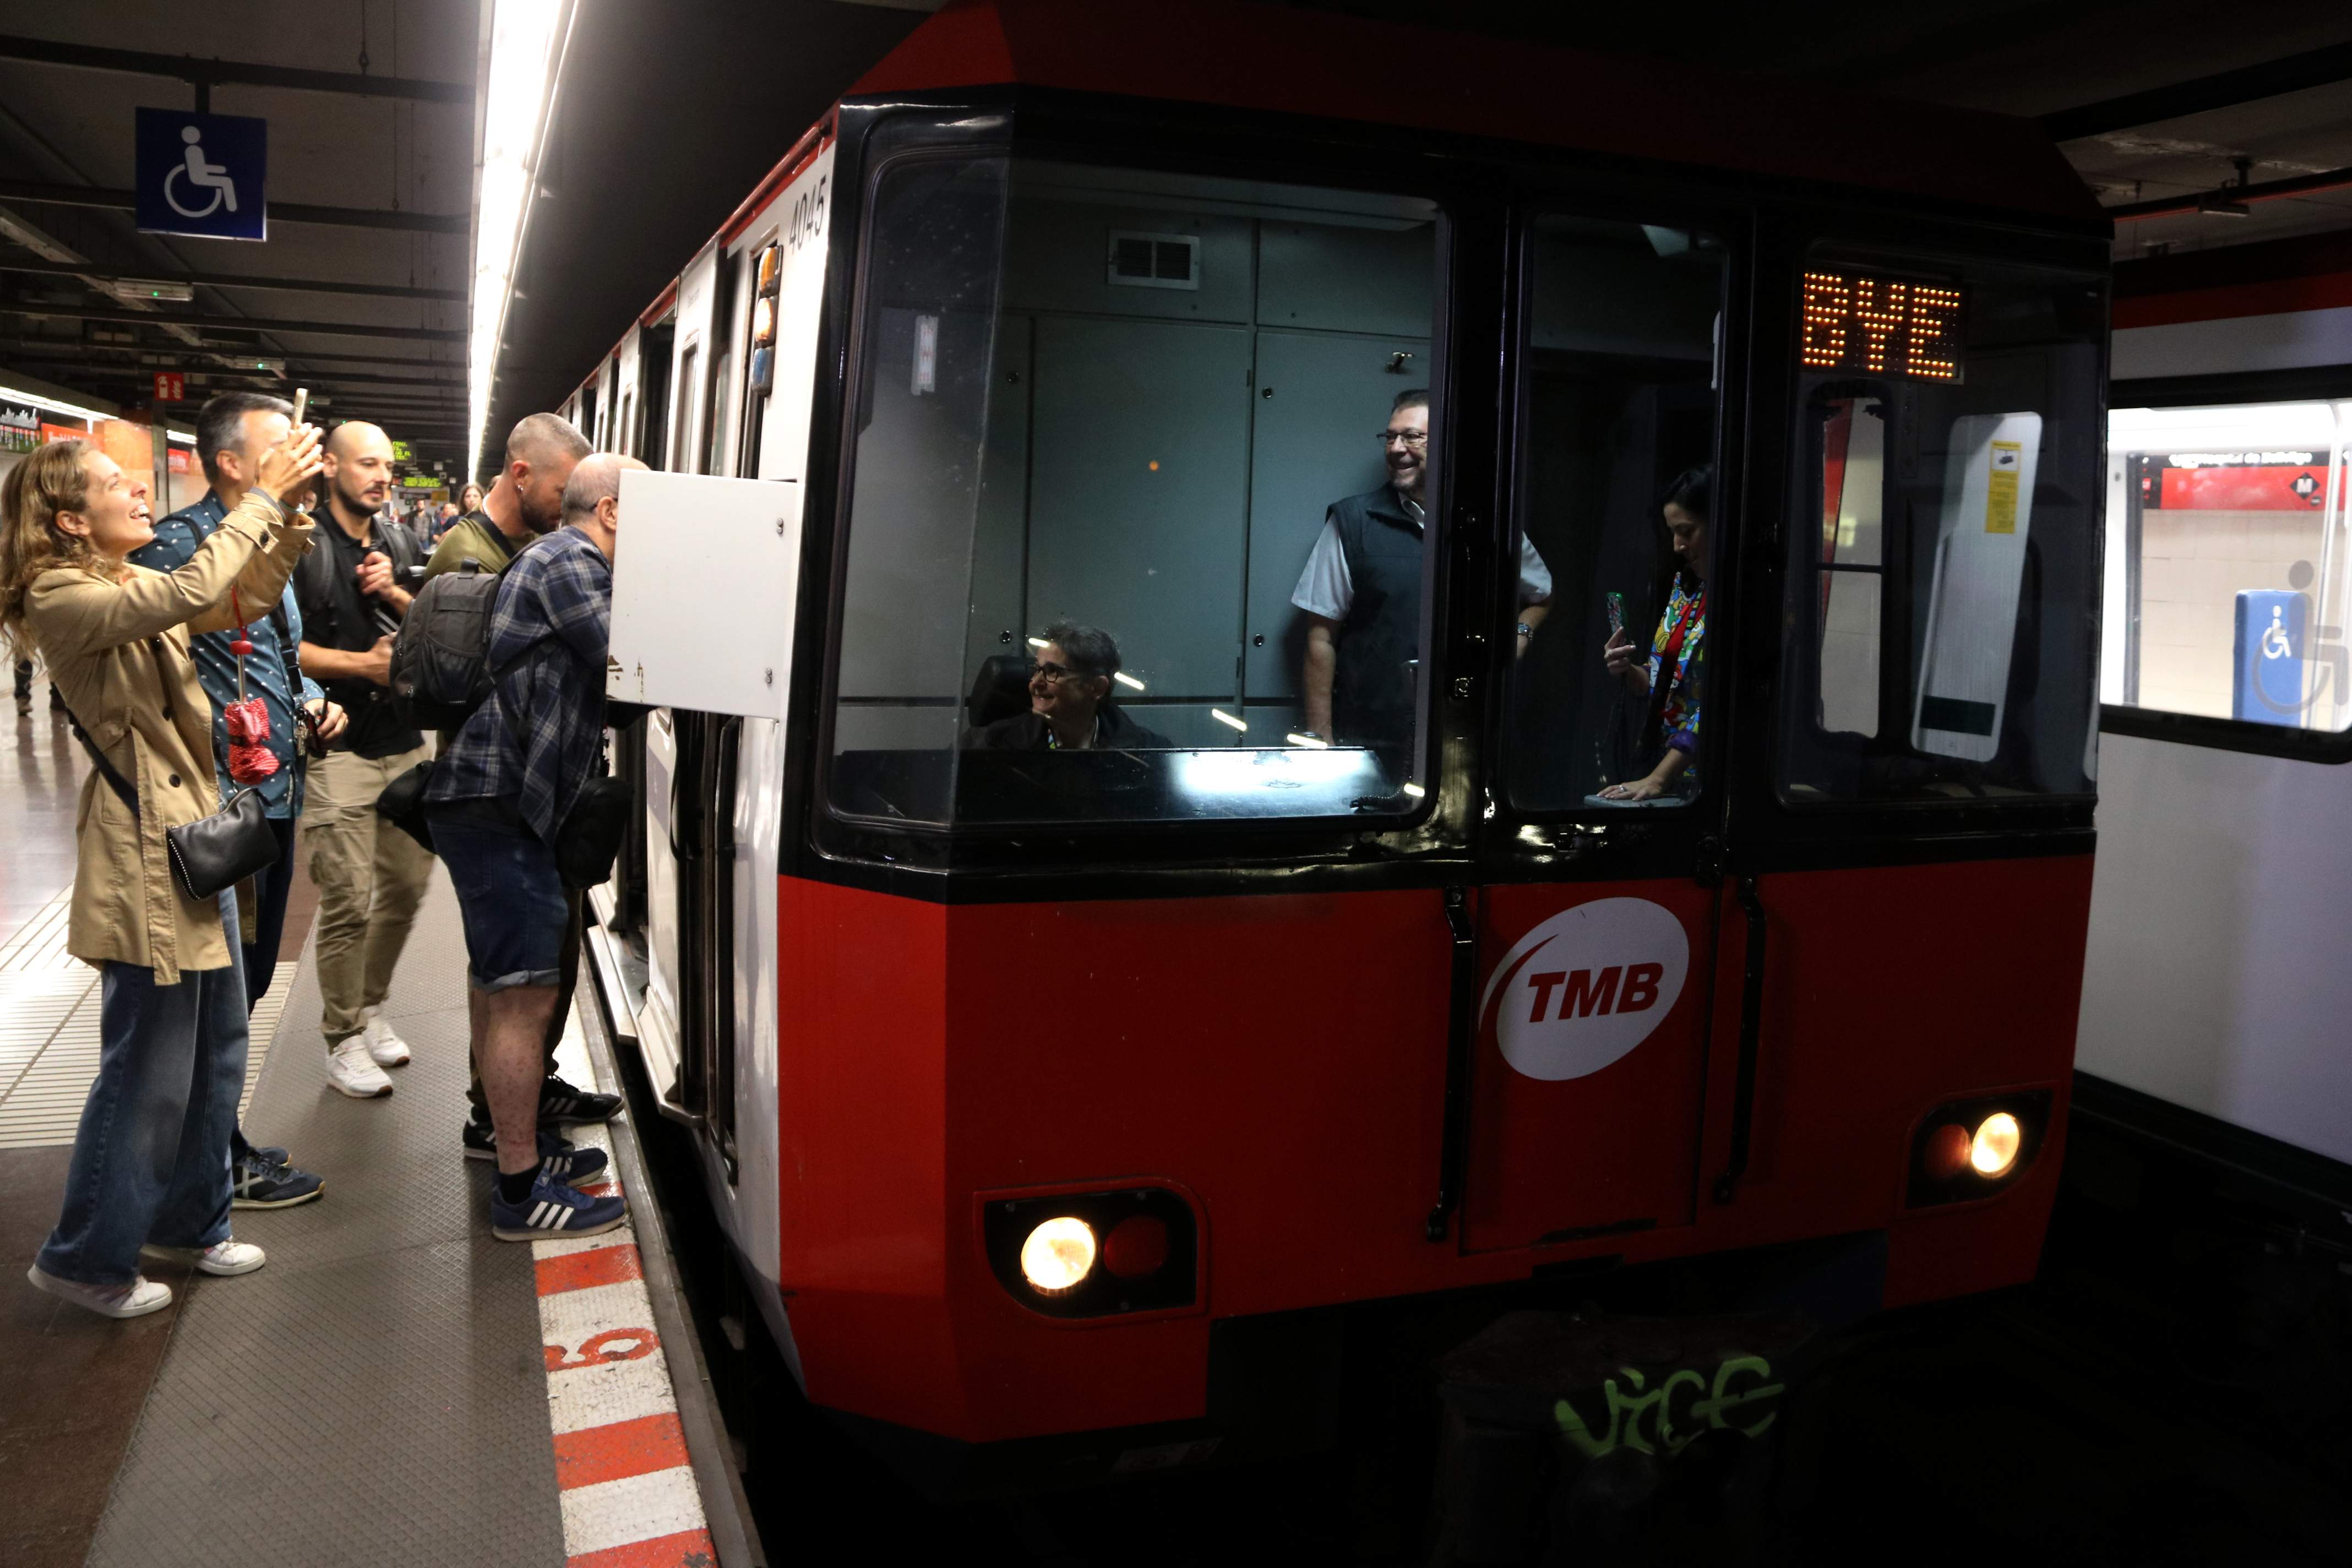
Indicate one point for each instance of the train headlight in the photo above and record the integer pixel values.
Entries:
(1994, 1149)
(1966, 1150)
(1105, 1253)
(1059, 1256)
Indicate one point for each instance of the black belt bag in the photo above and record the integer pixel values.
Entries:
(212, 852)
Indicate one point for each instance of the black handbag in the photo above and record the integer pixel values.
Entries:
(591, 832)
(212, 852)
(402, 803)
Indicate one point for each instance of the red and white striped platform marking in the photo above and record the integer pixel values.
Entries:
(628, 1494)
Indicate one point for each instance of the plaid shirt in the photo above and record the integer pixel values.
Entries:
(174, 546)
(549, 633)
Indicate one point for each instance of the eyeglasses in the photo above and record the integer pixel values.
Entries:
(1055, 674)
(1416, 439)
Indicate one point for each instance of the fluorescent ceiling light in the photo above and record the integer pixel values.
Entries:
(519, 90)
(55, 405)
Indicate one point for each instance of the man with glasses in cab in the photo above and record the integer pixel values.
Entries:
(1361, 593)
(1070, 707)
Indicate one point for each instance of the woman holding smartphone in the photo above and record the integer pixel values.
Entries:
(150, 1170)
(1671, 677)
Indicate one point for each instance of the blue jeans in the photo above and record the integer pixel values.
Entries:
(150, 1159)
(509, 895)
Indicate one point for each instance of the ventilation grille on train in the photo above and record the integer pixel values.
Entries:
(1154, 260)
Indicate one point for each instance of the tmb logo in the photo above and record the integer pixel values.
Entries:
(1586, 986)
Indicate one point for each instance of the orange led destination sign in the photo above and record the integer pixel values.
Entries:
(1881, 326)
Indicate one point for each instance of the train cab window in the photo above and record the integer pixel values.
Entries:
(1138, 512)
(1607, 605)
(1941, 629)
(2227, 577)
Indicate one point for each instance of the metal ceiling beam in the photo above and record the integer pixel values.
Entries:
(2238, 196)
(42, 191)
(83, 363)
(2222, 90)
(227, 280)
(214, 72)
(246, 323)
(235, 351)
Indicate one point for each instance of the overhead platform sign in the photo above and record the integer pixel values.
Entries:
(202, 174)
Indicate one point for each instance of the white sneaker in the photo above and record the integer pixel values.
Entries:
(388, 1049)
(349, 1070)
(136, 1299)
(222, 1258)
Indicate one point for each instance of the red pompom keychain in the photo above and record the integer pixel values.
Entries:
(250, 759)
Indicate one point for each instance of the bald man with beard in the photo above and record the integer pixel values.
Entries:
(353, 590)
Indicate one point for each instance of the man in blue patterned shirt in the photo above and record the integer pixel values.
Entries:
(497, 800)
(233, 430)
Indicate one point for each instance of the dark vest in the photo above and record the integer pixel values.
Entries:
(1372, 689)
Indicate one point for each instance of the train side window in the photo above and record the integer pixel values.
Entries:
(1614, 544)
(1941, 627)
(1140, 502)
(2228, 585)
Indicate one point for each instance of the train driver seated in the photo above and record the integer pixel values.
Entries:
(1070, 705)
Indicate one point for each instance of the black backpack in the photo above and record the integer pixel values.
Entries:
(440, 671)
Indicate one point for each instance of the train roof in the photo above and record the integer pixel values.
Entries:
(1239, 55)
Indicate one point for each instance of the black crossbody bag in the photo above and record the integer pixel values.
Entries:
(212, 852)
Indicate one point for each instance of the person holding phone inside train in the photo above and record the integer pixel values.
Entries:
(1673, 677)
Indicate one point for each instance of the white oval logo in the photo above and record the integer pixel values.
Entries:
(1586, 986)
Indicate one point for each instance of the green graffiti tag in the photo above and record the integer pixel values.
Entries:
(1671, 1429)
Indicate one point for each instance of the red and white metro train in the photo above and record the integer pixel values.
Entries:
(1042, 1091)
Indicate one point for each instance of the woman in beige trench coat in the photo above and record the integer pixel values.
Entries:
(149, 1166)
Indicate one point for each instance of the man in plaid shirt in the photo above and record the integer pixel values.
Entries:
(497, 799)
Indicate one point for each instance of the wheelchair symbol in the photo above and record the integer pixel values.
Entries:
(2275, 640)
(197, 172)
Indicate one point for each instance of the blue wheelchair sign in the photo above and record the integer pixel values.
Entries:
(2269, 650)
(202, 174)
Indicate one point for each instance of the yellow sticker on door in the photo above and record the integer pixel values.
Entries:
(2000, 494)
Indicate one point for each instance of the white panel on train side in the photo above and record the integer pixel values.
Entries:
(1979, 572)
(2216, 976)
(704, 580)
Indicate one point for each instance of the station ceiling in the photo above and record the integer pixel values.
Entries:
(670, 112)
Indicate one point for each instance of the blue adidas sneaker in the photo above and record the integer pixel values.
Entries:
(552, 1209)
(557, 1156)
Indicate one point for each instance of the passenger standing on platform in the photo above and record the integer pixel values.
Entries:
(234, 431)
(498, 803)
(371, 876)
(525, 504)
(149, 1167)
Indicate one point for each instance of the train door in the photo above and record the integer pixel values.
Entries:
(1597, 933)
(1914, 853)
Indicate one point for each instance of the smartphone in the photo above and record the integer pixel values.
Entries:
(1616, 612)
(301, 403)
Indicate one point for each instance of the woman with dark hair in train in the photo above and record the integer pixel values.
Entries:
(1671, 678)
(150, 1170)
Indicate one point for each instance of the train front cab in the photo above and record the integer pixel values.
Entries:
(1288, 1026)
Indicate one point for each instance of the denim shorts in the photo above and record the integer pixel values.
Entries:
(509, 893)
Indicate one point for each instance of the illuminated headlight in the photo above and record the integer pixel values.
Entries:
(1059, 1256)
(1093, 1254)
(1994, 1149)
(1973, 1148)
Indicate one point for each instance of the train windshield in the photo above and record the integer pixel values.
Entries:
(1140, 516)
(1941, 622)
